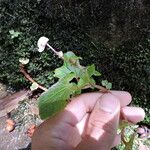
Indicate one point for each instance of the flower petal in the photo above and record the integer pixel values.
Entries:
(41, 49)
(42, 43)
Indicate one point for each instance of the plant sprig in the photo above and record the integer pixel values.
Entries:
(72, 79)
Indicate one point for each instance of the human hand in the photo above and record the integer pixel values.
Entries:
(89, 121)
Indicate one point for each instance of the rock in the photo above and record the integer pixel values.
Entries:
(3, 91)
(9, 103)
(24, 116)
(14, 140)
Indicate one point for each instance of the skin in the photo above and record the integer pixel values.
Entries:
(89, 121)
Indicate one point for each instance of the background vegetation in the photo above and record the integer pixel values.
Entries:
(113, 37)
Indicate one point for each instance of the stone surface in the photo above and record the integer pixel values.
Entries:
(24, 112)
(15, 140)
(10, 102)
(3, 91)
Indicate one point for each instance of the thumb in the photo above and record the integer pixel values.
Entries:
(103, 122)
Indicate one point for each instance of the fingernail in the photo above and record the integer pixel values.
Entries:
(108, 103)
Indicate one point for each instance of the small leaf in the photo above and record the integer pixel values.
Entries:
(107, 84)
(70, 65)
(61, 72)
(96, 73)
(71, 55)
(91, 71)
(71, 60)
(104, 82)
(55, 98)
(129, 145)
(34, 86)
(11, 31)
(14, 34)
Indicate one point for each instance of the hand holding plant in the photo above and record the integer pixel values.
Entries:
(91, 120)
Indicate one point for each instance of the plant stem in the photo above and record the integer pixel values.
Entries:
(101, 88)
(123, 136)
(86, 87)
(52, 49)
(30, 78)
(57, 53)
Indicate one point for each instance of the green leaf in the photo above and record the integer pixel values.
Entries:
(70, 56)
(54, 100)
(86, 76)
(70, 65)
(14, 34)
(61, 72)
(104, 82)
(34, 86)
(11, 31)
(129, 145)
(77, 92)
(107, 84)
(96, 73)
(91, 71)
(82, 83)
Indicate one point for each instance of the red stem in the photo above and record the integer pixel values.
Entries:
(28, 77)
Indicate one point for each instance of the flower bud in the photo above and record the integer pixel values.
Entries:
(60, 54)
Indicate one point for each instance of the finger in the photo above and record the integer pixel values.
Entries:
(103, 123)
(133, 114)
(126, 113)
(84, 103)
(80, 128)
(81, 125)
(117, 140)
(81, 105)
(123, 96)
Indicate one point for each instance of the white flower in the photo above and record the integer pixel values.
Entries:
(24, 61)
(42, 42)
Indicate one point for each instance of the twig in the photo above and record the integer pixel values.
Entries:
(22, 70)
(123, 136)
(102, 89)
